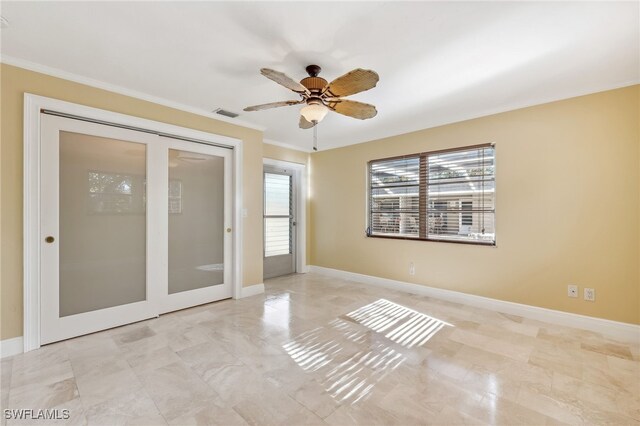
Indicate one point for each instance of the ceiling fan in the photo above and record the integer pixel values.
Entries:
(321, 96)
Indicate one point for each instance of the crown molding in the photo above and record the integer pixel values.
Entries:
(55, 72)
(65, 75)
(533, 102)
(286, 145)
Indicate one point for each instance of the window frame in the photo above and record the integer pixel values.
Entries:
(423, 200)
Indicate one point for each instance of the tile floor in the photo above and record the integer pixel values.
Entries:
(316, 350)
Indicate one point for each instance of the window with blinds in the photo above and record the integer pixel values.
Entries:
(277, 214)
(436, 196)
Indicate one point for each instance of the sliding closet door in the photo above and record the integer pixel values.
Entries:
(99, 222)
(133, 225)
(198, 244)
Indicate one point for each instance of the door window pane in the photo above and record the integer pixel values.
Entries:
(196, 220)
(277, 213)
(277, 234)
(277, 194)
(102, 223)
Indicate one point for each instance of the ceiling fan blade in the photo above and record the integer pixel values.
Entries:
(354, 109)
(272, 105)
(284, 80)
(304, 124)
(353, 82)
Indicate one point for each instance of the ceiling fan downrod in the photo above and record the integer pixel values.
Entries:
(315, 135)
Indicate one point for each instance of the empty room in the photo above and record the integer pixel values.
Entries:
(306, 213)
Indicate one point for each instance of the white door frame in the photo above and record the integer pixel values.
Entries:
(300, 178)
(33, 105)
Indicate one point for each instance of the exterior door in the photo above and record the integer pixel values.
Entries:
(279, 222)
(133, 225)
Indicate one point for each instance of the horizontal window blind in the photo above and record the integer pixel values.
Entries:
(460, 199)
(277, 214)
(394, 202)
(437, 196)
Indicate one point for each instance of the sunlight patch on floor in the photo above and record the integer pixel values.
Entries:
(398, 323)
(348, 363)
(352, 353)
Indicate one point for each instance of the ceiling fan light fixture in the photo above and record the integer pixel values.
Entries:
(321, 96)
(314, 112)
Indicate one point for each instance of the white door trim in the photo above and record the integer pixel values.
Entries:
(33, 105)
(300, 176)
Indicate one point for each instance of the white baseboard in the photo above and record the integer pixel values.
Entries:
(252, 290)
(617, 330)
(11, 347)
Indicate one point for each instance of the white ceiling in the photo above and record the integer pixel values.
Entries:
(439, 62)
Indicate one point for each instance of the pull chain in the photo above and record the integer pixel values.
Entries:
(315, 136)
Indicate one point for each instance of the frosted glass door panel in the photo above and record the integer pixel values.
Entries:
(102, 223)
(196, 220)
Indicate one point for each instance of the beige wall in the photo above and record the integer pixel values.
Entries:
(284, 154)
(568, 187)
(15, 82)
(567, 208)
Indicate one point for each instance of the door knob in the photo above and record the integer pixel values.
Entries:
(49, 239)
(228, 229)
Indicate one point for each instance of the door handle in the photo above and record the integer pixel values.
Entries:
(49, 239)
(228, 230)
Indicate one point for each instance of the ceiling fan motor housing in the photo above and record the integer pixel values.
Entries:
(314, 84)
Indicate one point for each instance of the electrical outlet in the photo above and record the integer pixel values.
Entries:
(412, 268)
(572, 290)
(590, 294)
